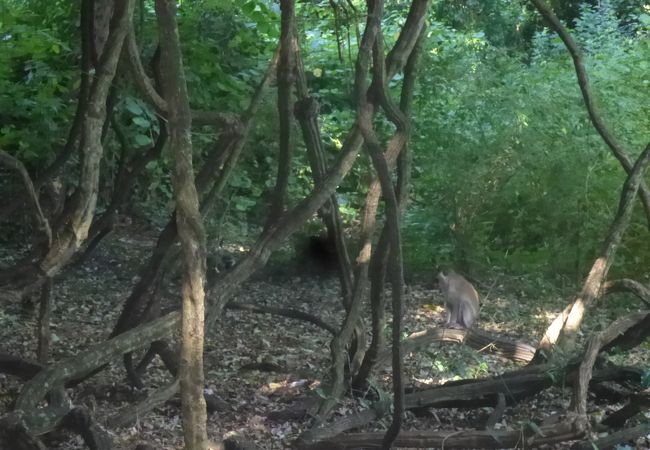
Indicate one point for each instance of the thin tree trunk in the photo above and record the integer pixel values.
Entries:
(285, 82)
(62, 156)
(392, 214)
(394, 61)
(73, 225)
(306, 111)
(379, 261)
(141, 305)
(74, 229)
(190, 230)
(341, 340)
(15, 164)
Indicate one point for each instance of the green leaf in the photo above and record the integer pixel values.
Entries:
(248, 7)
(133, 106)
(142, 140)
(243, 203)
(141, 122)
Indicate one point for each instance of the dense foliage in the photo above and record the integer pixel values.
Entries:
(508, 170)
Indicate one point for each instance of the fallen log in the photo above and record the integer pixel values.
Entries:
(571, 429)
(478, 393)
(507, 388)
(515, 386)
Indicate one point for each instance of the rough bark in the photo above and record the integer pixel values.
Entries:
(102, 11)
(127, 176)
(130, 167)
(190, 229)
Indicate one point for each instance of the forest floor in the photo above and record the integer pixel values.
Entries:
(88, 299)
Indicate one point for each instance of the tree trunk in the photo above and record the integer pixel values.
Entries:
(285, 81)
(190, 230)
(382, 168)
(74, 227)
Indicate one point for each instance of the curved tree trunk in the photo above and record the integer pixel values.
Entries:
(382, 168)
(379, 261)
(142, 304)
(72, 228)
(615, 146)
(394, 61)
(567, 323)
(306, 111)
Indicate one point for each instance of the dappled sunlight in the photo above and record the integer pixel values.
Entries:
(429, 380)
(288, 386)
(240, 159)
(428, 312)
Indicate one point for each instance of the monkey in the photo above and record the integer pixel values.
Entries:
(461, 300)
(217, 263)
(220, 262)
